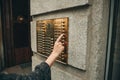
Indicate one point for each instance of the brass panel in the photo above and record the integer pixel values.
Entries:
(47, 33)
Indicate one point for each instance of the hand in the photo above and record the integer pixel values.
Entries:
(57, 50)
(58, 46)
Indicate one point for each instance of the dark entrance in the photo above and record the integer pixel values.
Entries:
(16, 31)
(21, 31)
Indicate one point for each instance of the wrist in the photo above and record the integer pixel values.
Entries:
(54, 54)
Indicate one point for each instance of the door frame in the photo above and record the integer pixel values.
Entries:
(7, 33)
(1, 41)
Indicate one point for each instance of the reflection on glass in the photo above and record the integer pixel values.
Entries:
(116, 59)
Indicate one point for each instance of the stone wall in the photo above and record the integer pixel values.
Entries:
(88, 23)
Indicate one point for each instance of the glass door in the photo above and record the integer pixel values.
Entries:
(116, 47)
(113, 54)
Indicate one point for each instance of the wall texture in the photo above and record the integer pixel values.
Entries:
(88, 24)
(43, 6)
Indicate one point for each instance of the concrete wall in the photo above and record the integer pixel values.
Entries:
(88, 24)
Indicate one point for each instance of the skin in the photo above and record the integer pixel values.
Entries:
(57, 50)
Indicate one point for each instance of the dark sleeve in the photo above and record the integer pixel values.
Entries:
(4, 76)
(41, 72)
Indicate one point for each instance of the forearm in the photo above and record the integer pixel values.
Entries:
(51, 59)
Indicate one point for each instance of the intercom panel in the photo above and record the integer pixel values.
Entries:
(47, 33)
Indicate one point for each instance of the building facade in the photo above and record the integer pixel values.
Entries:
(87, 39)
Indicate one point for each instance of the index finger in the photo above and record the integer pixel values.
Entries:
(59, 38)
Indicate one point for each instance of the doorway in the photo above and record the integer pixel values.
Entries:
(21, 30)
(16, 31)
